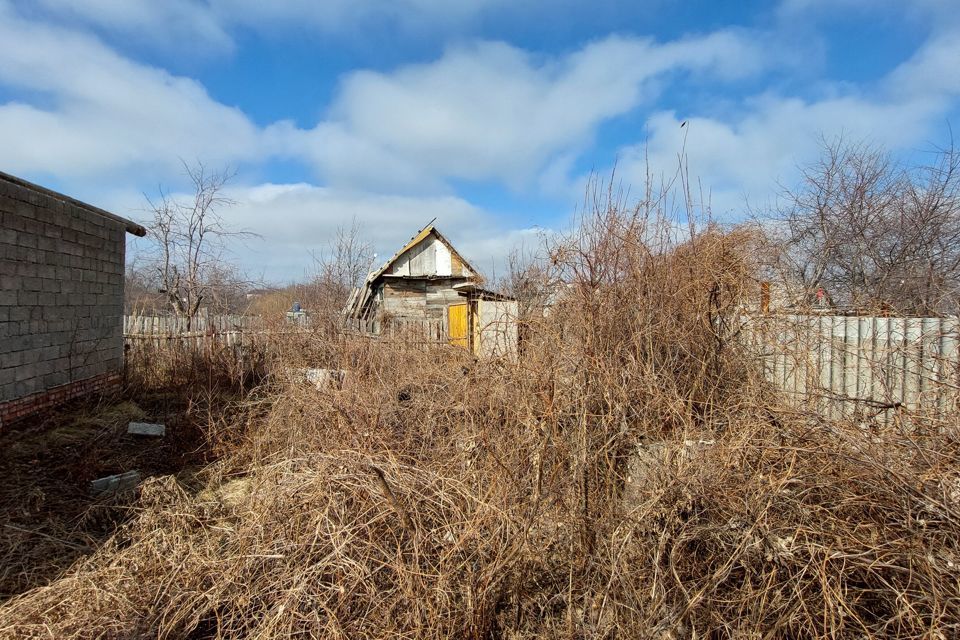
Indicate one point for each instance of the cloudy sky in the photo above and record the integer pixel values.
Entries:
(486, 114)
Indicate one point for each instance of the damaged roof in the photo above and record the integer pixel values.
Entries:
(419, 237)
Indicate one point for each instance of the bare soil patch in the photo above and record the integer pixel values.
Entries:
(49, 516)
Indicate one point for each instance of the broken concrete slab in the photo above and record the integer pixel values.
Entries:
(115, 484)
(325, 378)
(147, 429)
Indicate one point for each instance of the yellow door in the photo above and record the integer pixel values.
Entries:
(457, 325)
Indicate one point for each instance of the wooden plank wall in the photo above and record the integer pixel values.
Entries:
(420, 298)
(432, 330)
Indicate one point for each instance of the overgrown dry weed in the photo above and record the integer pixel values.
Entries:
(630, 475)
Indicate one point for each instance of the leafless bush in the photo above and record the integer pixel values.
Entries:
(172, 365)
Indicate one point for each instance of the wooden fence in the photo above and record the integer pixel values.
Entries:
(840, 365)
(202, 331)
(426, 330)
(231, 330)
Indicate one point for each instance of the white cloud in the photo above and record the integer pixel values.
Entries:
(483, 111)
(932, 72)
(295, 220)
(491, 111)
(94, 112)
(743, 156)
(168, 23)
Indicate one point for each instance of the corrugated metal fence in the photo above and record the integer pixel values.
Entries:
(844, 364)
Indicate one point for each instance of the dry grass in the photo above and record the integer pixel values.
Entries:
(437, 496)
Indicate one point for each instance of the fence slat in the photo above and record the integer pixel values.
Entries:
(837, 364)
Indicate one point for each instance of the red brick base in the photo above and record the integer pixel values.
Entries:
(22, 407)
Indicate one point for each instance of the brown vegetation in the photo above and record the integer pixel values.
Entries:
(631, 475)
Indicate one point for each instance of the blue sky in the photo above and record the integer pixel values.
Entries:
(486, 114)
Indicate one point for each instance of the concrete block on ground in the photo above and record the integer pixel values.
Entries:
(147, 429)
(325, 378)
(115, 484)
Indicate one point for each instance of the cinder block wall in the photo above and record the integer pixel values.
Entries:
(61, 300)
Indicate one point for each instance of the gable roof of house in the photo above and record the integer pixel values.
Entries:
(129, 225)
(359, 297)
(420, 236)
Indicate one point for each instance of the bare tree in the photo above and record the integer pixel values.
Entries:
(140, 288)
(345, 263)
(338, 269)
(863, 230)
(190, 237)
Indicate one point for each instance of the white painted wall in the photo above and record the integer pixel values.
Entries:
(428, 258)
(444, 259)
(498, 328)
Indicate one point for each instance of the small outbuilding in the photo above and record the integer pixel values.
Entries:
(429, 286)
(61, 297)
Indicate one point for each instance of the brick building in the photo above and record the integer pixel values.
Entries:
(61, 297)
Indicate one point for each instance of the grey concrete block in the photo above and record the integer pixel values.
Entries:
(24, 372)
(52, 230)
(47, 271)
(27, 238)
(42, 369)
(147, 429)
(61, 292)
(115, 484)
(13, 221)
(28, 298)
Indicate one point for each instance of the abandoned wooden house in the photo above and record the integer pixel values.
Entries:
(61, 297)
(428, 287)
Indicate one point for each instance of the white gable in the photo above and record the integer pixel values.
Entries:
(444, 258)
(429, 257)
